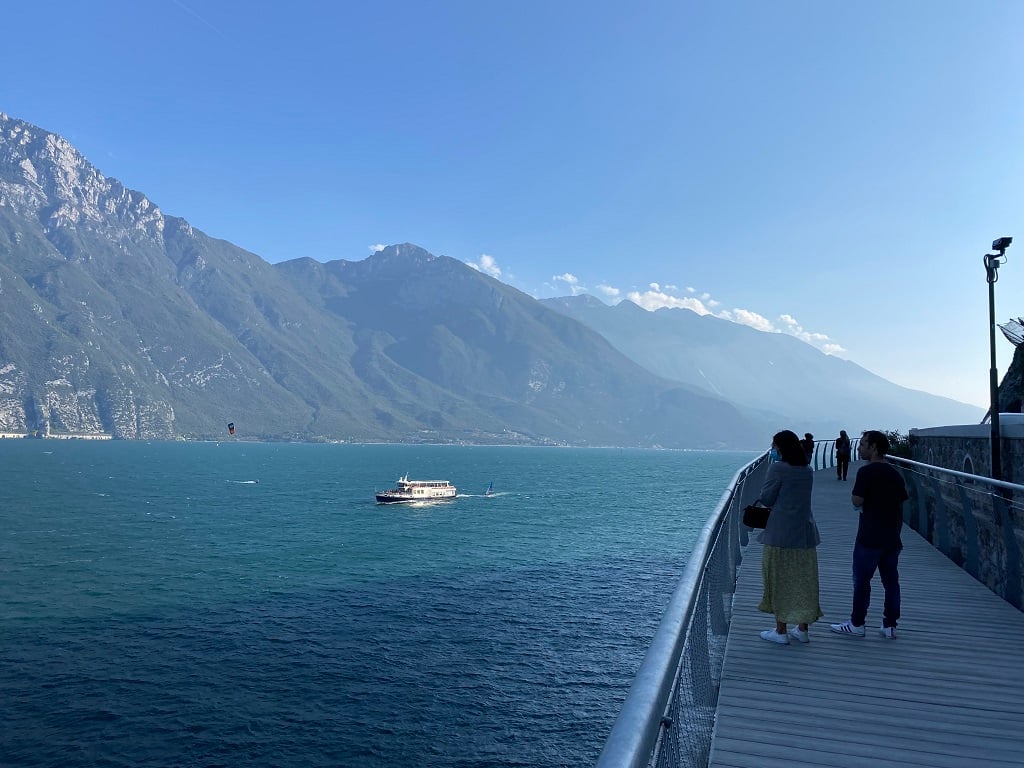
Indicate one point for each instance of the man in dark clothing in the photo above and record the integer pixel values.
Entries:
(808, 446)
(843, 452)
(879, 493)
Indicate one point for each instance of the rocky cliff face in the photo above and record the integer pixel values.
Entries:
(55, 185)
(1011, 391)
(54, 203)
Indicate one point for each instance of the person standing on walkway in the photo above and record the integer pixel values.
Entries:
(879, 493)
(789, 561)
(843, 451)
(808, 446)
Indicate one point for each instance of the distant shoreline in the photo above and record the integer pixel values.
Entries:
(31, 436)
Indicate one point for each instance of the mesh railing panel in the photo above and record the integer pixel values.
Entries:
(668, 718)
(688, 726)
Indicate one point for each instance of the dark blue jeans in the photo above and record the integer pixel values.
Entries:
(865, 562)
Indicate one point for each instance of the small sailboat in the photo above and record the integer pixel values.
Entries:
(490, 489)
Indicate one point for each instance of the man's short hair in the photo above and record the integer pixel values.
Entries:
(877, 439)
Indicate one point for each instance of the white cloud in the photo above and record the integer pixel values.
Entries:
(656, 299)
(793, 328)
(571, 280)
(746, 317)
(661, 295)
(377, 248)
(487, 264)
(658, 296)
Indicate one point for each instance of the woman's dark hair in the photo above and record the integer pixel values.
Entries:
(790, 449)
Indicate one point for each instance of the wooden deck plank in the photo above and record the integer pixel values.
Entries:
(949, 691)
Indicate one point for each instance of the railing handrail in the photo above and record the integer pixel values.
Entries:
(635, 733)
(964, 475)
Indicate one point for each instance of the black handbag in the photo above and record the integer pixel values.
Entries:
(756, 516)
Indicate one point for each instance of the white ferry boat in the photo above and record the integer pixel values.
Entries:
(417, 490)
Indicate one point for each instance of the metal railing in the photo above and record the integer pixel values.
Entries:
(669, 713)
(667, 720)
(825, 453)
(977, 522)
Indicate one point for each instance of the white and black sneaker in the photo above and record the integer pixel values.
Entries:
(848, 628)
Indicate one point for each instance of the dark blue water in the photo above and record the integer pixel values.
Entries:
(250, 605)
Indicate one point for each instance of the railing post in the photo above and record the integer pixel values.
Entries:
(916, 509)
(972, 544)
(717, 619)
(940, 535)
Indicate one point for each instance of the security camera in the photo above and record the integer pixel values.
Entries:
(1001, 244)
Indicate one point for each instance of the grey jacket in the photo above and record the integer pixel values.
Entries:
(787, 490)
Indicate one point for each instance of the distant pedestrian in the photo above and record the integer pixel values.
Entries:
(879, 493)
(808, 446)
(843, 451)
(789, 560)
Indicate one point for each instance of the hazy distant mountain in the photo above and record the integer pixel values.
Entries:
(779, 378)
(117, 318)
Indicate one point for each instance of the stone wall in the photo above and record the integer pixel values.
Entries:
(968, 447)
(979, 529)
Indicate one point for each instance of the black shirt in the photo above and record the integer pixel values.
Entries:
(881, 516)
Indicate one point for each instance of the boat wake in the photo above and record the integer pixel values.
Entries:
(425, 503)
(243, 482)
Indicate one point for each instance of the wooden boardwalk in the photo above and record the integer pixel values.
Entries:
(949, 691)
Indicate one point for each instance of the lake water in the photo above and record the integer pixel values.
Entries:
(242, 604)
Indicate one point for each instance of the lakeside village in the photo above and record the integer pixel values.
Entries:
(45, 434)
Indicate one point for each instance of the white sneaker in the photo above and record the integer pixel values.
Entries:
(889, 633)
(774, 637)
(800, 637)
(848, 628)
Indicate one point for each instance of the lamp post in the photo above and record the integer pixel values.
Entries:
(992, 263)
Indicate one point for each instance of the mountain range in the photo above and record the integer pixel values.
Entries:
(117, 318)
(772, 377)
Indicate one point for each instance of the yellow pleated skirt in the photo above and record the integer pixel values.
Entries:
(790, 585)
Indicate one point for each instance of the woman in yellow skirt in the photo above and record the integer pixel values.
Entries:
(789, 565)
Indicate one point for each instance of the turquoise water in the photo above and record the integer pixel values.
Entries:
(249, 604)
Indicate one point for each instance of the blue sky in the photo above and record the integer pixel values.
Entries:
(832, 170)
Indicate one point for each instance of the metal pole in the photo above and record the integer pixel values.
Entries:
(991, 265)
